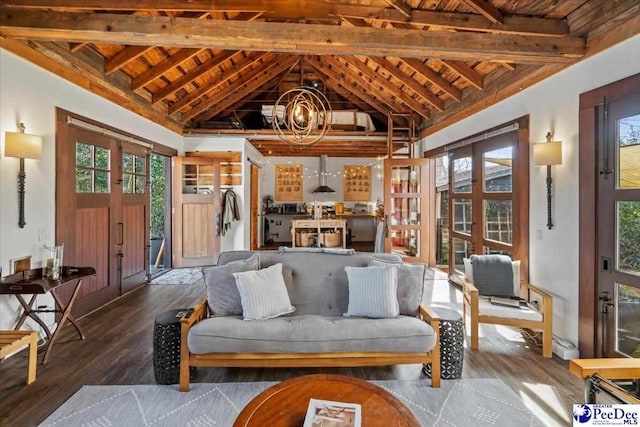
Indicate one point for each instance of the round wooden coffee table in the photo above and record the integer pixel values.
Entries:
(285, 404)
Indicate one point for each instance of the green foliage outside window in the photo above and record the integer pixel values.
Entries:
(158, 172)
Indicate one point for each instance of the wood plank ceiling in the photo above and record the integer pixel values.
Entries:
(207, 66)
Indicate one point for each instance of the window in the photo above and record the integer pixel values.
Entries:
(134, 176)
(93, 168)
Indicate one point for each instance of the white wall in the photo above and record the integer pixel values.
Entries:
(553, 106)
(30, 94)
(311, 165)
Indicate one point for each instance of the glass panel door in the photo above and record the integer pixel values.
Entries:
(461, 212)
(619, 231)
(406, 208)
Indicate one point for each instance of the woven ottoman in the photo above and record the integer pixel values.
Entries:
(451, 344)
(166, 347)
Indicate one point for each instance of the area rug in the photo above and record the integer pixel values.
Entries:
(466, 402)
(179, 276)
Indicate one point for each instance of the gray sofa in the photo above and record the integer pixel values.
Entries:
(316, 334)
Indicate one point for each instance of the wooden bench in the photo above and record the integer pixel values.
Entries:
(623, 368)
(12, 341)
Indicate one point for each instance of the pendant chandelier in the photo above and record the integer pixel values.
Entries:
(301, 116)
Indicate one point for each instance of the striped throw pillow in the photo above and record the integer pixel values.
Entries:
(373, 291)
(263, 293)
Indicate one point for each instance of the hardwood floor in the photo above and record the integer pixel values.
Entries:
(118, 350)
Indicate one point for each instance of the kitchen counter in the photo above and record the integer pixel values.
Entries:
(319, 232)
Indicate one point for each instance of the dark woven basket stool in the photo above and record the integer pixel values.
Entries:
(451, 344)
(166, 347)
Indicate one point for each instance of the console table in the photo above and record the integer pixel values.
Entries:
(317, 226)
(31, 282)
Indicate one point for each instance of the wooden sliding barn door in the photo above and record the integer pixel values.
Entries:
(88, 196)
(196, 211)
(133, 229)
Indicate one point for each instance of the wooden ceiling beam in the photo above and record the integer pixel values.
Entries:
(485, 9)
(285, 37)
(462, 69)
(159, 69)
(372, 89)
(76, 47)
(122, 58)
(360, 66)
(211, 64)
(308, 9)
(232, 93)
(401, 6)
(519, 25)
(409, 82)
(335, 79)
(434, 78)
(207, 88)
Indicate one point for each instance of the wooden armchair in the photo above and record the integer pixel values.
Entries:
(482, 311)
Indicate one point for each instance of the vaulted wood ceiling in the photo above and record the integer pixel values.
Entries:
(207, 66)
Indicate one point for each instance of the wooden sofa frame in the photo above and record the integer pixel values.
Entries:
(301, 360)
(528, 292)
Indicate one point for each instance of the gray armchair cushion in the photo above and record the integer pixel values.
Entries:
(222, 293)
(410, 284)
(493, 275)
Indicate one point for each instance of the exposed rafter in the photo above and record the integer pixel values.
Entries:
(433, 78)
(485, 9)
(120, 59)
(401, 6)
(286, 37)
(466, 72)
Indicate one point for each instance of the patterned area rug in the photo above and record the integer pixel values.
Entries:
(179, 276)
(472, 402)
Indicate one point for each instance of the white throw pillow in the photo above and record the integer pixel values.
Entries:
(263, 293)
(373, 291)
(515, 265)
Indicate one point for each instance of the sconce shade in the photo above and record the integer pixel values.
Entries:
(547, 153)
(22, 145)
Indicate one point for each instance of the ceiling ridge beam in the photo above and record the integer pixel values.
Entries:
(208, 87)
(213, 62)
(485, 9)
(286, 37)
(232, 93)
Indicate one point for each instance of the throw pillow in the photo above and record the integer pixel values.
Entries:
(263, 293)
(373, 291)
(410, 284)
(515, 266)
(494, 275)
(222, 293)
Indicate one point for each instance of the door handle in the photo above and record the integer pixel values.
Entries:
(121, 234)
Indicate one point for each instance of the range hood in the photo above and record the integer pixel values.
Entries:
(323, 187)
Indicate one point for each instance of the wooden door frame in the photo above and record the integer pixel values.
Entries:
(588, 199)
(254, 206)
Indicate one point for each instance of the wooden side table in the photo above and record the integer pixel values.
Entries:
(285, 404)
(11, 341)
(31, 282)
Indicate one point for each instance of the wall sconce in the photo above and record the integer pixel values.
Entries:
(547, 154)
(22, 146)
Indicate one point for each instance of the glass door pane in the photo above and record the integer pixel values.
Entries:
(628, 147)
(628, 237)
(627, 339)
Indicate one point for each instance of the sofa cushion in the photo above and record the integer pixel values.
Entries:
(263, 293)
(411, 279)
(316, 282)
(373, 291)
(222, 293)
(486, 308)
(311, 334)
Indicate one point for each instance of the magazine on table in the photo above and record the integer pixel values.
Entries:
(326, 413)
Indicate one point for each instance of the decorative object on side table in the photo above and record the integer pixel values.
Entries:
(166, 346)
(451, 344)
(53, 261)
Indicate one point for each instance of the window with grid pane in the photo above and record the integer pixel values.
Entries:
(134, 174)
(93, 168)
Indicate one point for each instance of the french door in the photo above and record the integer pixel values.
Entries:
(88, 196)
(133, 237)
(486, 201)
(102, 211)
(196, 210)
(619, 229)
(407, 208)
